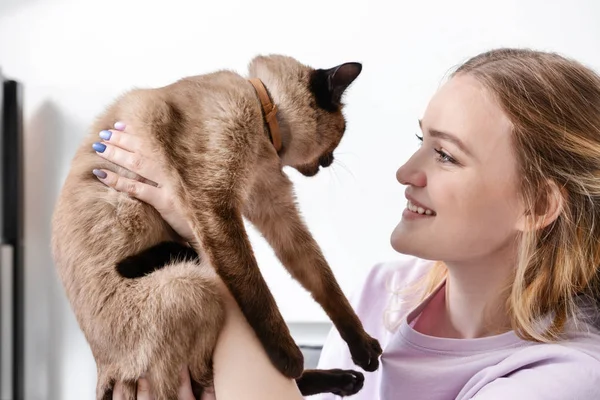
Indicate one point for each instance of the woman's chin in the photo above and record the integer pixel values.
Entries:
(399, 240)
(403, 242)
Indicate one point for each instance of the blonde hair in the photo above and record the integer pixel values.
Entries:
(554, 106)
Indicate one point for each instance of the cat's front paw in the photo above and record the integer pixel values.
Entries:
(365, 353)
(347, 382)
(288, 359)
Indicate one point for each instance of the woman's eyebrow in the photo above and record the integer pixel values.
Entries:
(449, 137)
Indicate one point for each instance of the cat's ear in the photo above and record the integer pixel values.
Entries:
(340, 77)
(328, 85)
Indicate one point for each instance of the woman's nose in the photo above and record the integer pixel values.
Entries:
(412, 172)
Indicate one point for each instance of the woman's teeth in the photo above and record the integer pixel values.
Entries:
(419, 210)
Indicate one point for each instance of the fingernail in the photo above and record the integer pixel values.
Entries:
(119, 126)
(105, 134)
(99, 147)
(99, 173)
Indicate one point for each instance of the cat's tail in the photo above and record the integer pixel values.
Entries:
(154, 258)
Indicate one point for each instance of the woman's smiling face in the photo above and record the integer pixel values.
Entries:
(462, 181)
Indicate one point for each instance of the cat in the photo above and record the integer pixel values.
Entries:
(145, 300)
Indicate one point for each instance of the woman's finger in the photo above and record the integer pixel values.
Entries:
(141, 191)
(120, 126)
(185, 385)
(118, 392)
(143, 390)
(121, 139)
(134, 162)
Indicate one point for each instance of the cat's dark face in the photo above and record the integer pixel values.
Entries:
(310, 108)
(327, 87)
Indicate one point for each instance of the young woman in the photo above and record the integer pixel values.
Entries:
(504, 194)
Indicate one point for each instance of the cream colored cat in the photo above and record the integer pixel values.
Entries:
(145, 299)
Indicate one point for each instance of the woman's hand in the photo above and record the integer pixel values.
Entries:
(130, 151)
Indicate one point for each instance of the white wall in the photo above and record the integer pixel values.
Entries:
(74, 56)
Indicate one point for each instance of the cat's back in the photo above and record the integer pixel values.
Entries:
(220, 106)
(214, 86)
(222, 96)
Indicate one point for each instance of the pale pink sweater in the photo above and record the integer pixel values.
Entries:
(415, 366)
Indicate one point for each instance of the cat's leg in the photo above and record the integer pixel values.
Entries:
(272, 209)
(337, 381)
(186, 326)
(164, 376)
(213, 162)
(200, 363)
(221, 232)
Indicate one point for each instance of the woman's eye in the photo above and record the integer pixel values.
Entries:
(441, 155)
(444, 158)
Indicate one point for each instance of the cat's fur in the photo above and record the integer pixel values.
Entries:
(210, 129)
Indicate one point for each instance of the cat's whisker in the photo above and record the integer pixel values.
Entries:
(346, 154)
(342, 165)
(336, 177)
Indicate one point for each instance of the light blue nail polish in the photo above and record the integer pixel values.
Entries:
(105, 134)
(100, 174)
(99, 147)
(119, 126)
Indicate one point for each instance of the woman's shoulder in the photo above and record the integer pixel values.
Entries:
(582, 341)
(567, 369)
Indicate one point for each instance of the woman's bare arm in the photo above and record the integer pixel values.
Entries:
(242, 369)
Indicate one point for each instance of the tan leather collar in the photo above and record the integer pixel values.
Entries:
(270, 110)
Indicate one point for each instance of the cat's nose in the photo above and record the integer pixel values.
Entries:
(326, 160)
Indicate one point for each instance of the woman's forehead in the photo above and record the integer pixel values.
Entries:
(464, 108)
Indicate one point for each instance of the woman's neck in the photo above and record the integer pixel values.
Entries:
(472, 304)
